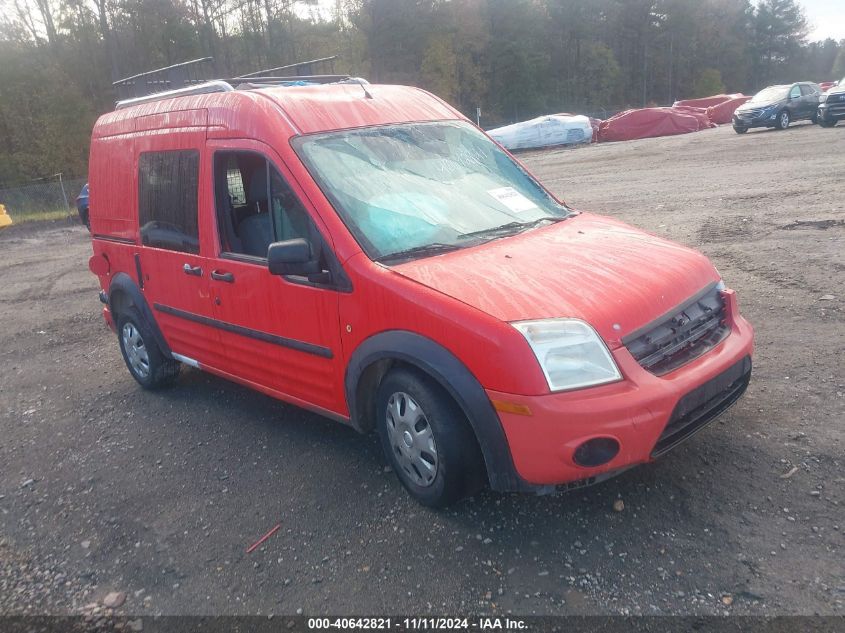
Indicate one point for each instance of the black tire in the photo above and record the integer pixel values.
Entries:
(814, 119)
(826, 123)
(783, 120)
(457, 460)
(740, 130)
(145, 361)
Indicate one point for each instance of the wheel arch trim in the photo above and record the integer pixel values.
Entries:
(124, 284)
(452, 375)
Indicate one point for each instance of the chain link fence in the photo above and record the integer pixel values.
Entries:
(49, 198)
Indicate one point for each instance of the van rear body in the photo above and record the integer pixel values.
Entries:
(368, 254)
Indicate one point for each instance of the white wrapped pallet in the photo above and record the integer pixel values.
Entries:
(545, 131)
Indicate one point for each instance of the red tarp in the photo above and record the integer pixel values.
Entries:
(699, 113)
(648, 122)
(706, 102)
(723, 112)
(825, 85)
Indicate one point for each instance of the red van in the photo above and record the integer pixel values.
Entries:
(367, 253)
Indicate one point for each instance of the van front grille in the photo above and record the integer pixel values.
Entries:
(684, 335)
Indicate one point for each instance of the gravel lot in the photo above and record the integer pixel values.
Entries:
(107, 488)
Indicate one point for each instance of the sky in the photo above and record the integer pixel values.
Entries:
(826, 18)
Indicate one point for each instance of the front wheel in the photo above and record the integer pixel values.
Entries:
(145, 361)
(427, 439)
(740, 130)
(783, 120)
(827, 123)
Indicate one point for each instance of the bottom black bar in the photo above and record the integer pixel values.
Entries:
(567, 624)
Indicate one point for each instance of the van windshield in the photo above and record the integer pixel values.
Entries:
(414, 190)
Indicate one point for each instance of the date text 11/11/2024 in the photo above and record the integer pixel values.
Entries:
(419, 624)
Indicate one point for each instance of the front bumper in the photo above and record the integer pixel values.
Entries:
(767, 120)
(832, 111)
(635, 412)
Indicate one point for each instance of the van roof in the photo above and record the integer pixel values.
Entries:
(306, 109)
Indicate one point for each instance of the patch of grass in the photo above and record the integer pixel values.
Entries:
(22, 217)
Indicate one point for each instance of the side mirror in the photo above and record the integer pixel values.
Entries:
(292, 257)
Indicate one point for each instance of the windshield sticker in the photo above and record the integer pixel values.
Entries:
(512, 199)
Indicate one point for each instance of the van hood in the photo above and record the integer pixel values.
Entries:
(611, 275)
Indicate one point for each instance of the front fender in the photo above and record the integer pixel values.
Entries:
(444, 367)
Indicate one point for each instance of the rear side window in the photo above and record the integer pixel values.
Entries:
(167, 200)
(807, 90)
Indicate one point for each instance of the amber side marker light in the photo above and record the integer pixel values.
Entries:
(511, 407)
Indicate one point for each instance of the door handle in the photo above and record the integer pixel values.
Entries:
(219, 276)
(196, 271)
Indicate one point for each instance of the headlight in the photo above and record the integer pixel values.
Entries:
(822, 98)
(570, 353)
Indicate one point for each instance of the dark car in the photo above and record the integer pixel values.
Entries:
(778, 106)
(832, 105)
(82, 206)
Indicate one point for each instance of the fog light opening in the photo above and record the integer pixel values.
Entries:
(596, 452)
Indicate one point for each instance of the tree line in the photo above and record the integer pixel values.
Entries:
(513, 59)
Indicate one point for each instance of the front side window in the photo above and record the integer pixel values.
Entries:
(410, 190)
(795, 92)
(255, 206)
(167, 200)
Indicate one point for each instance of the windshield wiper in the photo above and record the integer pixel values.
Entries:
(510, 228)
(423, 251)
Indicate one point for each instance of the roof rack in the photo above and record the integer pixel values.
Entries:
(173, 77)
(301, 68)
(181, 80)
(198, 89)
(247, 80)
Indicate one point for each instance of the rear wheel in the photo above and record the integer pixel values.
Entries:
(427, 439)
(740, 130)
(783, 120)
(145, 361)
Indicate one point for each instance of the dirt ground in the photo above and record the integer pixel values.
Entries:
(105, 487)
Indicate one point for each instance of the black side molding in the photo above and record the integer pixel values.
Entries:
(439, 363)
(301, 346)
